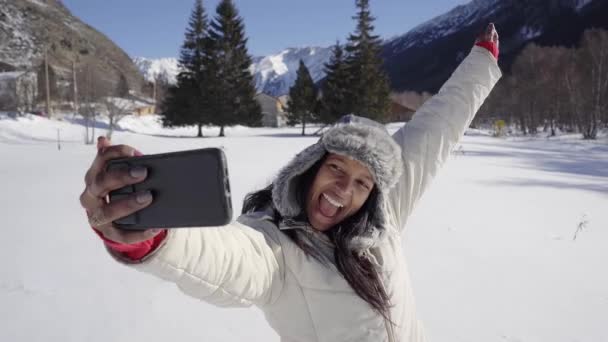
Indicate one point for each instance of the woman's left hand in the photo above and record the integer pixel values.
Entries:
(488, 35)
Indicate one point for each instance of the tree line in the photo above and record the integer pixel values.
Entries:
(555, 88)
(215, 86)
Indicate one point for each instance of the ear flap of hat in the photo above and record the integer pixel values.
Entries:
(284, 191)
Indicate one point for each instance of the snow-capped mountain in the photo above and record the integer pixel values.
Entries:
(423, 58)
(273, 74)
(152, 69)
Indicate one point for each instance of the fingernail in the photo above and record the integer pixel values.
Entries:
(138, 172)
(143, 197)
(154, 231)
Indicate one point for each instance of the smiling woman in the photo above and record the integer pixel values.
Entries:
(319, 250)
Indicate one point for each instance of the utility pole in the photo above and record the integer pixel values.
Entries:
(47, 84)
(154, 89)
(74, 86)
(154, 94)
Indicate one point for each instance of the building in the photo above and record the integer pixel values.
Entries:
(18, 90)
(143, 105)
(399, 112)
(273, 112)
(132, 105)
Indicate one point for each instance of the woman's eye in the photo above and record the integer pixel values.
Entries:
(335, 167)
(364, 185)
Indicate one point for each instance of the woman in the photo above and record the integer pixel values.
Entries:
(319, 250)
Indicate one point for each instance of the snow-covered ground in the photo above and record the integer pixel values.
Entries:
(490, 246)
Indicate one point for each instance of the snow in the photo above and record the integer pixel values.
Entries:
(39, 3)
(581, 3)
(275, 74)
(528, 32)
(17, 42)
(126, 104)
(9, 75)
(153, 68)
(490, 246)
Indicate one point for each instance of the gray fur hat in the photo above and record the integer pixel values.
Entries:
(361, 139)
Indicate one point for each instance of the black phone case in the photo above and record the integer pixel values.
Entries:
(190, 189)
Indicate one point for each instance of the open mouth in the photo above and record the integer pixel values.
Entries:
(329, 206)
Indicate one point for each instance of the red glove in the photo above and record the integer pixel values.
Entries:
(489, 40)
(134, 251)
(490, 46)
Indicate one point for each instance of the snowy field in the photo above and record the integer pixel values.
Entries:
(490, 246)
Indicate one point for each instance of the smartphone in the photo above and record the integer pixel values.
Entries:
(190, 189)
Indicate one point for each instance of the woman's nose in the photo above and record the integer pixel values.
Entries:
(345, 187)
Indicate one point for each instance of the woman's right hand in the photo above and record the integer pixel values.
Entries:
(99, 183)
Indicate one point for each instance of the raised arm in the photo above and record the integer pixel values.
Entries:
(426, 141)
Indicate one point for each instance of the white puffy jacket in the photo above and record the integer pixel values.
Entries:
(251, 262)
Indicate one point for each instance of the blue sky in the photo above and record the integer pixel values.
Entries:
(155, 28)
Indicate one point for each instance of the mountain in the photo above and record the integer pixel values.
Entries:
(27, 26)
(151, 69)
(275, 74)
(425, 57)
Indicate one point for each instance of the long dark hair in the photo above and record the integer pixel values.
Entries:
(358, 270)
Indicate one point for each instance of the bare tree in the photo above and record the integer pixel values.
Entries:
(595, 53)
(531, 72)
(119, 105)
(161, 87)
(553, 104)
(117, 109)
(91, 88)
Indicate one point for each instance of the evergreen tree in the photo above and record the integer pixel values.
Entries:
(302, 99)
(230, 83)
(334, 88)
(178, 107)
(187, 103)
(369, 86)
(122, 89)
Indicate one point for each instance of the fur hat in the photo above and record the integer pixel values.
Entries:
(361, 139)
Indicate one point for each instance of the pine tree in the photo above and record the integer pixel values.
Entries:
(187, 102)
(122, 89)
(230, 83)
(369, 86)
(334, 88)
(302, 99)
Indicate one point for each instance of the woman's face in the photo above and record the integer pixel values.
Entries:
(339, 190)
